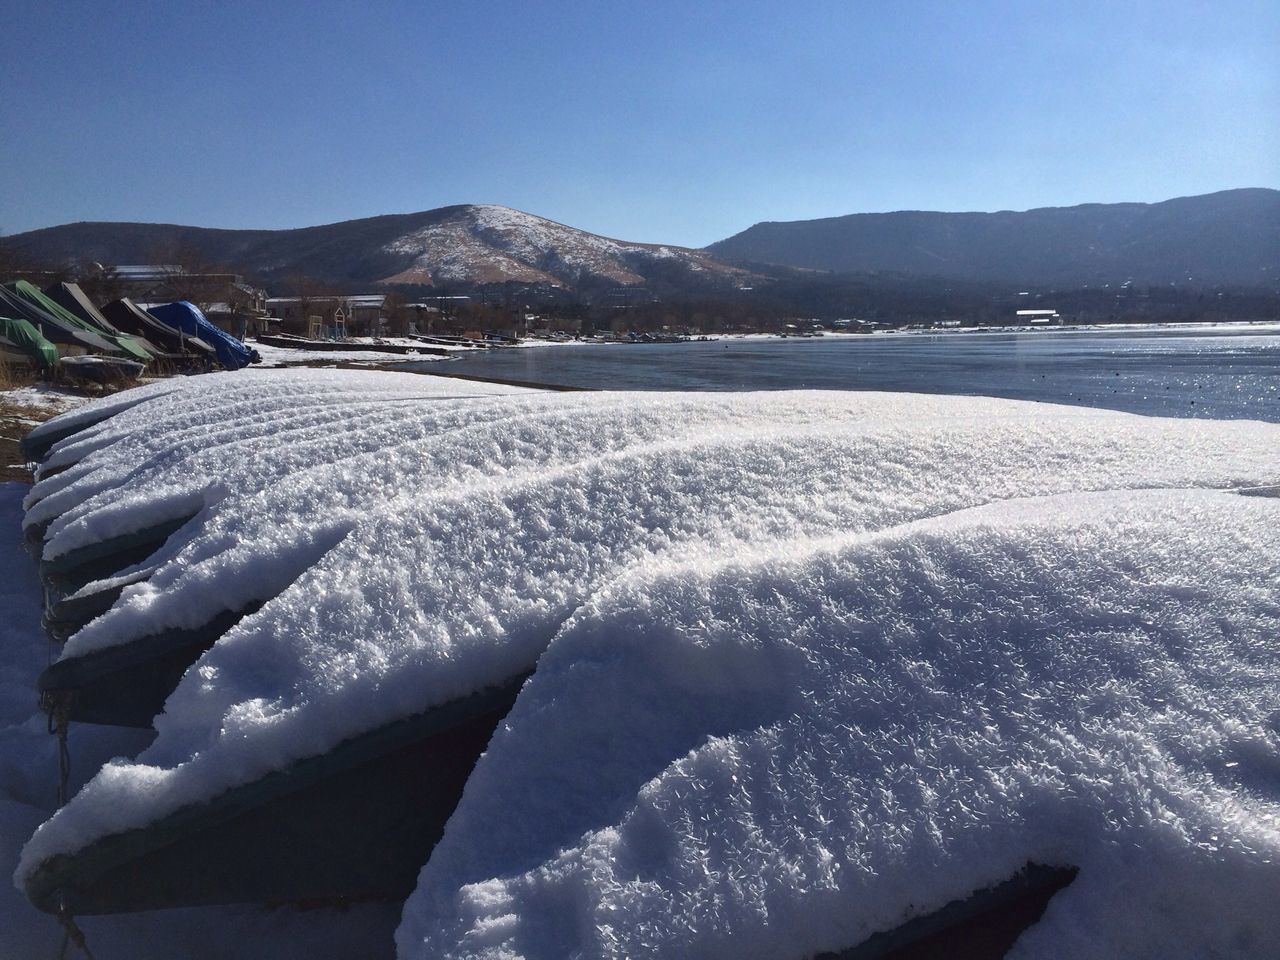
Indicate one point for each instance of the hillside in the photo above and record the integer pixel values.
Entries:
(1227, 238)
(460, 246)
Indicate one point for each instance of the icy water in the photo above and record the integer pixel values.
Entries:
(1221, 373)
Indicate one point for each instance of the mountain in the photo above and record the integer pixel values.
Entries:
(465, 246)
(1229, 238)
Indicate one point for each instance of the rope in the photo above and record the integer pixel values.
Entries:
(71, 933)
(59, 712)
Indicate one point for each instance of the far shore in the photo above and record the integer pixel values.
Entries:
(277, 356)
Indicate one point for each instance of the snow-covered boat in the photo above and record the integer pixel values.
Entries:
(815, 651)
(355, 823)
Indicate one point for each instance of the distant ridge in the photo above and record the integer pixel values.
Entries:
(1226, 238)
(464, 246)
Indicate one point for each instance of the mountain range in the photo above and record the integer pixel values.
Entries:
(1230, 238)
(1226, 238)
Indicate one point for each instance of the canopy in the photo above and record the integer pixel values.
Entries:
(187, 317)
(35, 296)
(127, 315)
(71, 298)
(26, 339)
(53, 328)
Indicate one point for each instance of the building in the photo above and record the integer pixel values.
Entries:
(1039, 318)
(328, 316)
(227, 299)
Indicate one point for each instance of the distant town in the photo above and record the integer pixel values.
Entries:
(320, 311)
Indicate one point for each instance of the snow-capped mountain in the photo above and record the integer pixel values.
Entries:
(470, 245)
(485, 244)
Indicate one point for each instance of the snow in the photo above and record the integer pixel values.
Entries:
(103, 407)
(217, 435)
(490, 243)
(817, 583)
(42, 397)
(28, 778)
(781, 753)
(290, 356)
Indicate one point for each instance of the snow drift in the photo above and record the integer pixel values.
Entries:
(786, 584)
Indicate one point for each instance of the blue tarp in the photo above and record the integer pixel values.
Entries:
(187, 317)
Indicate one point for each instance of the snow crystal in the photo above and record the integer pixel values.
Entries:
(207, 439)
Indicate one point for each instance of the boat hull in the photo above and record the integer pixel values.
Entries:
(353, 825)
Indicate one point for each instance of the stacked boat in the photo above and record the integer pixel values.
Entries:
(577, 673)
(60, 329)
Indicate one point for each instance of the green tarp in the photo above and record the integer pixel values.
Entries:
(33, 294)
(28, 340)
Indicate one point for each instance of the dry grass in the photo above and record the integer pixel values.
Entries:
(16, 421)
(18, 418)
(14, 375)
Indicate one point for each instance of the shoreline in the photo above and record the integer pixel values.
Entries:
(275, 357)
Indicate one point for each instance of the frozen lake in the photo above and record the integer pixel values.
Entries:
(1230, 373)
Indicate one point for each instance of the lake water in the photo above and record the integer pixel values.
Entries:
(1223, 373)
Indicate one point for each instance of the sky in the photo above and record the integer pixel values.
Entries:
(673, 122)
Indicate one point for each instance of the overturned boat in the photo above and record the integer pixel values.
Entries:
(100, 370)
(69, 337)
(354, 824)
(128, 316)
(71, 298)
(188, 318)
(431, 553)
(123, 343)
(21, 343)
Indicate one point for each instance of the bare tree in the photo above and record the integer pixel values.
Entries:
(314, 298)
(100, 282)
(397, 313)
(18, 262)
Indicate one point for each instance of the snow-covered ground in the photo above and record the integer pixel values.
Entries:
(44, 398)
(21, 409)
(291, 356)
(807, 663)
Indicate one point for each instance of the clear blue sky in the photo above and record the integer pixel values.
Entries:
(681, 122)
